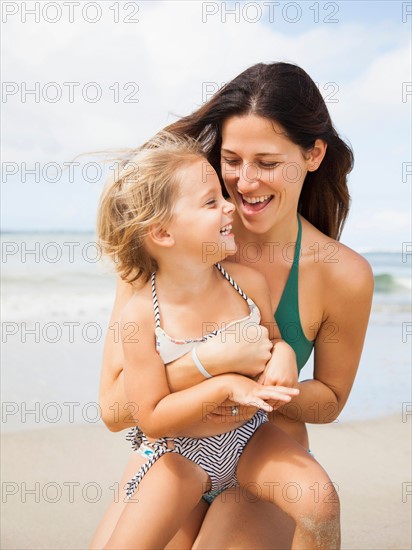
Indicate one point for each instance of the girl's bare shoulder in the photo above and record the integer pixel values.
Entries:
(138, 301)
(250, 280)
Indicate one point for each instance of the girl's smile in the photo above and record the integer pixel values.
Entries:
(202, 218)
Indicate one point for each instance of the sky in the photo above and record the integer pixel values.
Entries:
(82, 76)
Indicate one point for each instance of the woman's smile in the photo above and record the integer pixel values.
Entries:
(254, 205)
(257, 159)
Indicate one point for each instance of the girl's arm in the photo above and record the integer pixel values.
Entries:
(161, 413)
(112, 398)
(233, 353)
(236, 354)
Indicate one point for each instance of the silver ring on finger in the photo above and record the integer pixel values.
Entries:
(235, 411)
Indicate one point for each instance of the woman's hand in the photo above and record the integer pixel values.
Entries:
(244, 412)
(234, 352)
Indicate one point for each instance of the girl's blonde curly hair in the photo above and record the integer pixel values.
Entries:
(142, 194)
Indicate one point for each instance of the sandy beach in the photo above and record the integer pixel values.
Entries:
(56, 482)
(58, 478)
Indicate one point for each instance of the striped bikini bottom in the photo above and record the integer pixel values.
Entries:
(218, 455)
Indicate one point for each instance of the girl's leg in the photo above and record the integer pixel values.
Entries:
(166, 496)
(277, 469)
(113, 512)
(184, 538)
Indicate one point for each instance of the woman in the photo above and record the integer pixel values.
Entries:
(269, 135)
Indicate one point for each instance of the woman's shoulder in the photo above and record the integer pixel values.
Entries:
(336, 265)
(351, 271)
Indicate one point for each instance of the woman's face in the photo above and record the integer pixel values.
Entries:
(263, 171)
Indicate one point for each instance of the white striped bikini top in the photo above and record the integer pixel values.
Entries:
(170, 348)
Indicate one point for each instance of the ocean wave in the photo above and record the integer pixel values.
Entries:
(387, 284)
(52, 304)
(57, 279)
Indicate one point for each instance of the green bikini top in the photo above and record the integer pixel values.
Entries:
(287, 314)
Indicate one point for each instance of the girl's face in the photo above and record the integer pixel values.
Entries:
(202, 218)
(263, 171)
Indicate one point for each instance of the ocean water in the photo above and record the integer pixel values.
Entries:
(57, 296)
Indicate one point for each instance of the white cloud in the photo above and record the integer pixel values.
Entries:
(170, 53)
(387, 219)
(374, 229)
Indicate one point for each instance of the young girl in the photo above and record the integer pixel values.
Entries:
(166, 223)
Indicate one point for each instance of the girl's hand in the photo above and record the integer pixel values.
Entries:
(248, 392)
(234, 352)
(282, 369)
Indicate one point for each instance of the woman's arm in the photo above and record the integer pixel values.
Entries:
(339, 342)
